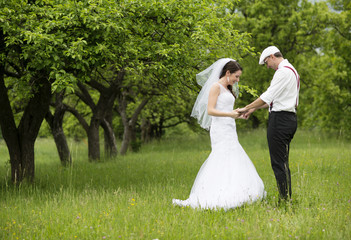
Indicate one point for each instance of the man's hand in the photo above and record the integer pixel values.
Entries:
(247, 114)
(244, 112)
(241, 110)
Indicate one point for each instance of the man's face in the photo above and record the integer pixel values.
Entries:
(267, 61)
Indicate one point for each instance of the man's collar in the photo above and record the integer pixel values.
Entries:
(282, 63)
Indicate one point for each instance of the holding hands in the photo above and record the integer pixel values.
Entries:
(242, 113)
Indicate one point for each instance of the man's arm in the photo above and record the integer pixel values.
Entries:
(248, 109)
(257, 104)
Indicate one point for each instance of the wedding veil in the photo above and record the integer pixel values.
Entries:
(205, 79)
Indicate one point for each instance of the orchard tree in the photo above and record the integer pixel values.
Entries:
(28, 59)
(178, 42)
(34, 55)
(151, 46)
(47, 45)
(330, 92)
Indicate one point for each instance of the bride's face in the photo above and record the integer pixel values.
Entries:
(235, 77)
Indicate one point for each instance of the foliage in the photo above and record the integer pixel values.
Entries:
(296, 27)
(161, 45)
(34, 28)
(174, 42)
(330, 90)
(71, 42)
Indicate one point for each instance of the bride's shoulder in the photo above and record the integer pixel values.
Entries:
(215, 87)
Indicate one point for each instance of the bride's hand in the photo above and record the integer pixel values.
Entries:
(243, 113)
(235, 114)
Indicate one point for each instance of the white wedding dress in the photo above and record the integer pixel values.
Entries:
(228, 178)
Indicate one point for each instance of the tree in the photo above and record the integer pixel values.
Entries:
(329, 93)
(33, 54)
(51, 46)
(159, 44)
(15, 49)
(178, 41)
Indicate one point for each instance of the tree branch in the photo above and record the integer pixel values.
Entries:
(85, 96)
(12, 74)
(79, 117)
(138, 110)
(98, 86)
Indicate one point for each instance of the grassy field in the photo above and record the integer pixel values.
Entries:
(130, 197)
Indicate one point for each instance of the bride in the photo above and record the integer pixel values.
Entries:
(227, 179)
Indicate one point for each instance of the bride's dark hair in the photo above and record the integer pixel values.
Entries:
(232, 66)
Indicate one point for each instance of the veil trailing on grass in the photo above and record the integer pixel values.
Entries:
(205, 79)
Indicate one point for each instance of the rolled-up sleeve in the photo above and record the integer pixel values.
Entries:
(277, 86)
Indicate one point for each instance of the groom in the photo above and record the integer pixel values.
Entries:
(281, 98)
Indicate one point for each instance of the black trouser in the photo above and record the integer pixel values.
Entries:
(281, 129)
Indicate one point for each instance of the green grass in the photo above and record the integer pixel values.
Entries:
(130, 197)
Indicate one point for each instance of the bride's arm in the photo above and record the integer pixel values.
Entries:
(212, 100)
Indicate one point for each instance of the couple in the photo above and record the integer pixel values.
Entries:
(228, 179)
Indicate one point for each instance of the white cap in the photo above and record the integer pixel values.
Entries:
(267, 52)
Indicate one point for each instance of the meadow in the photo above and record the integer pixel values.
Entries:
(130, 197)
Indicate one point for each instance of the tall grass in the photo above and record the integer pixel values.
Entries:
(130, 197)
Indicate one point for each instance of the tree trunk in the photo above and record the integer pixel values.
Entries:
(20, 141)
(99, 111)
(159, 128)
(60, 140)
(55, 122)
(145, 130)
(62, 146)
(21, 160)
(127, 138)
(110, 139)
(27, 170)
(8, 125)
(30, 124)
(129, 124)
(94, 140)
(92, 132)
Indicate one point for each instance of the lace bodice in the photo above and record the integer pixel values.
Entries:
(225, 103)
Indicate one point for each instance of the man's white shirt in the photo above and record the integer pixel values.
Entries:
(283, 91)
